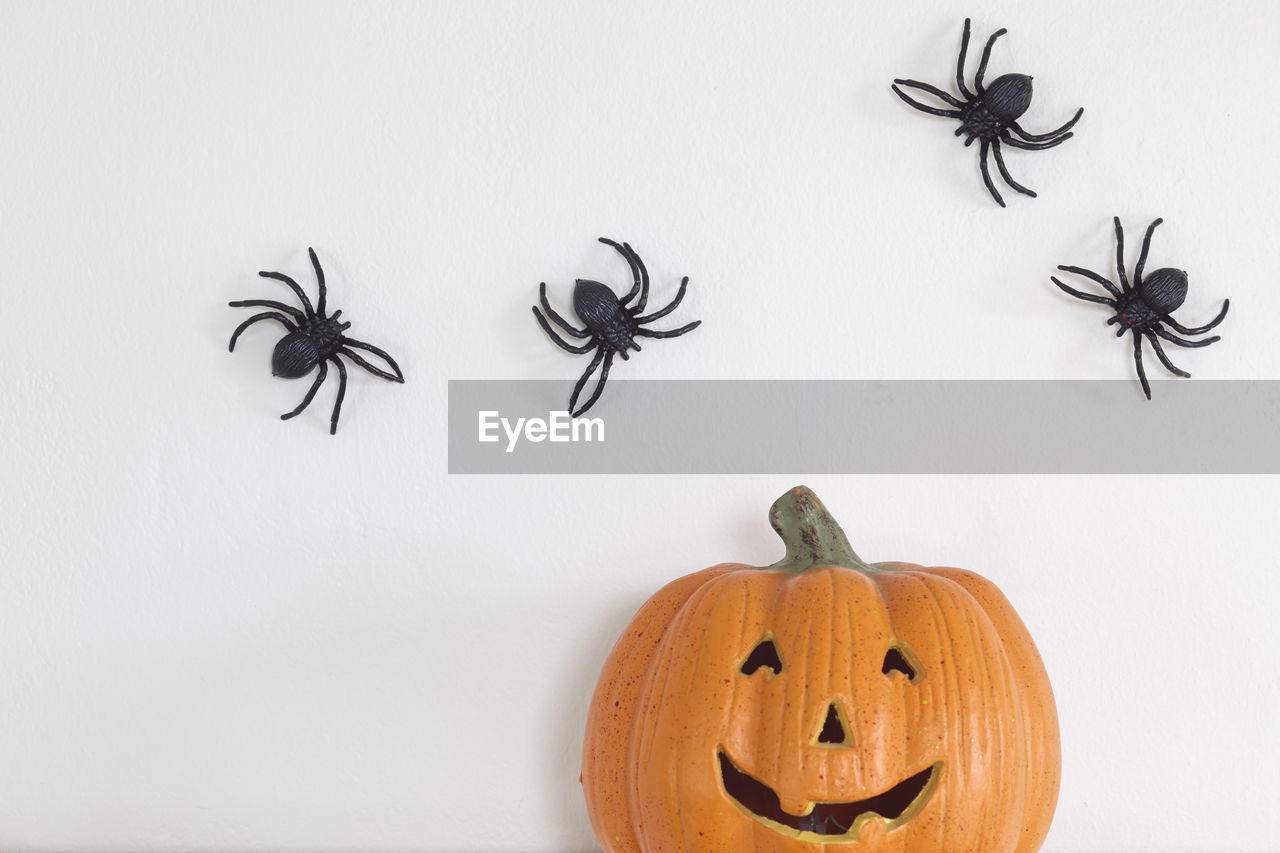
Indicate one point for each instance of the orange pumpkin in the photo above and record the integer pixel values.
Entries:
(823, 701)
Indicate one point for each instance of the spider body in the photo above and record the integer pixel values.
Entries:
(1134, 313)
(313, 340)
(1145, 307)
(611, 323)
(990, 114)
(299, 352)
(605, 316)
(1161, 292)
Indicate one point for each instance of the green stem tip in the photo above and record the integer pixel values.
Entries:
(812, 535)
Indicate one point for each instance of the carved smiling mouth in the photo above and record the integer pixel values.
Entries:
(828, 822)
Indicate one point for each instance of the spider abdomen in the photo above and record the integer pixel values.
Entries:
(1008, 96)
(599, 308)
(1164, 289)
(294, 356)
(596, 304)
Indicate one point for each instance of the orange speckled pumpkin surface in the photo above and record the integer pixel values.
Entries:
(823, 704)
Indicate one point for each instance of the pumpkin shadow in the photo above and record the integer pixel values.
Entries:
(577, 677)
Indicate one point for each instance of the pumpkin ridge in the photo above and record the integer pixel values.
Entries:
(714, 591)
(617, 697)
(965, 735)
(982, 735)
(1005, 688)
(655, 693)
(953, 600)
(659, 690)
(939, 697)
(1040, 770)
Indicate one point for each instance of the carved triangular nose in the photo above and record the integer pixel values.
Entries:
(834, 733)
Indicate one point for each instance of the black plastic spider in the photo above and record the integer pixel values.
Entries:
(1142, 308)
(611, 326)
(313, 339)
(991, 114)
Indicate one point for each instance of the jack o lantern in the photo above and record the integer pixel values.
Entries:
(822, 704)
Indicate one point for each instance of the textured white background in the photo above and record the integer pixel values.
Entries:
(220, 631)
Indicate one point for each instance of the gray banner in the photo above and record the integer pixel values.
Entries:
(867, 427)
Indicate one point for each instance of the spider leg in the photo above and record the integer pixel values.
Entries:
(665, 311)
(560, 321)
(1164, 359)
(1078, 294)
(1182, 342)
(644, 279)
(964, 54)
(376, 371)
(352, 342)
(1226, 303)
(302, 297)
(986, 173)
(306, 401)
(628, 256)
(265, 315)
(1142, 258)
(1137, 359)
(986, 55)
(1034, 146)
(1090, 274)
(315, 262)
(582, 380)
(268, 303)
(342, 392)
(1004, 172)
(673, 333)
(932, 90)
(604, 377)
(922, 107)
(546, 327)
(1124, 279)
(1041, 137)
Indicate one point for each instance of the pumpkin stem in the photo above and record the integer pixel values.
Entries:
(811, 534)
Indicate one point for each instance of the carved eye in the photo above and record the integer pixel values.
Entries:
(764, 655)
(901, 659)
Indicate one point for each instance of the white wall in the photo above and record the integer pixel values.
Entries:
(220, 631)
